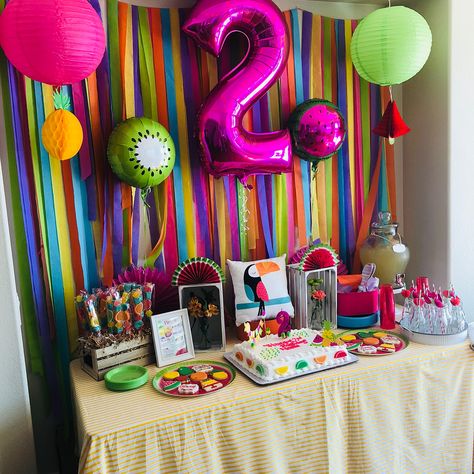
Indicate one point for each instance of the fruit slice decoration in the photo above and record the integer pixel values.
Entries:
(317, 257)
(196, 271)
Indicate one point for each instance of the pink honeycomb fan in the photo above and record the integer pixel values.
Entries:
(317, 257)
(196, 271)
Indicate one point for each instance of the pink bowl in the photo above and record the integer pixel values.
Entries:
(358, 304)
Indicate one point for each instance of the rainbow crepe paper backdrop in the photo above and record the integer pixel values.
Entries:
(76, 226)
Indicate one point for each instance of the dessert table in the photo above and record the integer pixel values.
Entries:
(412, 411)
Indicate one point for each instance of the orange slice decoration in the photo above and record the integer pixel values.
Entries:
(320, 359)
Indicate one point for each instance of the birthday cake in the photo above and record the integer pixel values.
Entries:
(303, 350)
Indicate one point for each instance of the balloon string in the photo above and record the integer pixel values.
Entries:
(243, 180)
(390, 92)
(144, 194)
(244, 211)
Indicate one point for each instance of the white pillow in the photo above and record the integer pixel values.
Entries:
(260, 289)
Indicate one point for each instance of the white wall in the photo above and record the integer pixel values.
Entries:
(17, 453)
(426, 152)
(438, 153)
(461, 132)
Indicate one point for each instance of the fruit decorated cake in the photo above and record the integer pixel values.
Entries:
(303, 350)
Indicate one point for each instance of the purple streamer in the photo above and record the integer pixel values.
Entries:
(136, 227)
(117, 228)
(90, 183)
(136, 65)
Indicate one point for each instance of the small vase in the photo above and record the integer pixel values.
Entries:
(317, 317)
(204, 343)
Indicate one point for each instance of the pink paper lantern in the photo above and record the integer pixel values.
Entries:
(52, 41)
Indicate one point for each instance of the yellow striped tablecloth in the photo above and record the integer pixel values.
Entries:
(410, 412)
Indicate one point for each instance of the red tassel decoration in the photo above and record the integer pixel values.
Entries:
(391, 125)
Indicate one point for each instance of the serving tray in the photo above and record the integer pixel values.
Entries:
(229, 356)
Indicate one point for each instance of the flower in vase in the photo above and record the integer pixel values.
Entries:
(212, 310)
(318, 295)
(195, 307)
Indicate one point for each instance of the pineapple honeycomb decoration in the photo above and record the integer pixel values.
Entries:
(62, 131)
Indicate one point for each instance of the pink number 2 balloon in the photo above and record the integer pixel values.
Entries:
(226, 147)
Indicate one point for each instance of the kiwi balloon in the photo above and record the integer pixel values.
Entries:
(141, 152)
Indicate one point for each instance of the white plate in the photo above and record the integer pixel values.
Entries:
(229, 356)
(434, 339)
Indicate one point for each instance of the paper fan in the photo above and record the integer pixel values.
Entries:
(196, 271)
(165, 297)
(317, 257)
(300, 253)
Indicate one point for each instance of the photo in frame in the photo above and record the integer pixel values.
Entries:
(205, 306)
(172, 337)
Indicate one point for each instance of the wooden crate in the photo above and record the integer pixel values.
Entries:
(96, 362)
(301, 295)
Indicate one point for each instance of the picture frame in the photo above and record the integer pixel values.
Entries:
(172, 337)
(216, 333)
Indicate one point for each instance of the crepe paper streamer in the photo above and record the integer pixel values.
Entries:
(368, 211)
(209, 216)
(32, 250)
(391, 45)
(197, 270)
(52, 42)
(22, 266)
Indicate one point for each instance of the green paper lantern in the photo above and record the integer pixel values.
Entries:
(141, 152)
(391, 45)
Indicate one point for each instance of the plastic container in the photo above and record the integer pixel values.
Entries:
(358, 303)
(357, 322)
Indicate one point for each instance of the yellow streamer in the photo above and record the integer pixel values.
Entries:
(129, 95)
(63, 232)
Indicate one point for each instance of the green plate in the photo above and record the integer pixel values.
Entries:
(126, 377)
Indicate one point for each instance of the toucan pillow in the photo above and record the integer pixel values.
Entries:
(260, 289)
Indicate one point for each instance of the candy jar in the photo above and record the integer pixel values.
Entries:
(385, 248)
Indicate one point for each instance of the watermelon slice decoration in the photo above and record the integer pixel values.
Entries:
(317, 257)
(196, 271)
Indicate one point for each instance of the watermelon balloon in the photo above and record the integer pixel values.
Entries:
(317, 257)
(141, 152)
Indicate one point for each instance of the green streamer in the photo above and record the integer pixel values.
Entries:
(365, 120)
(25, 290)
(114, 60)
(242, 205)
(147, 70)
